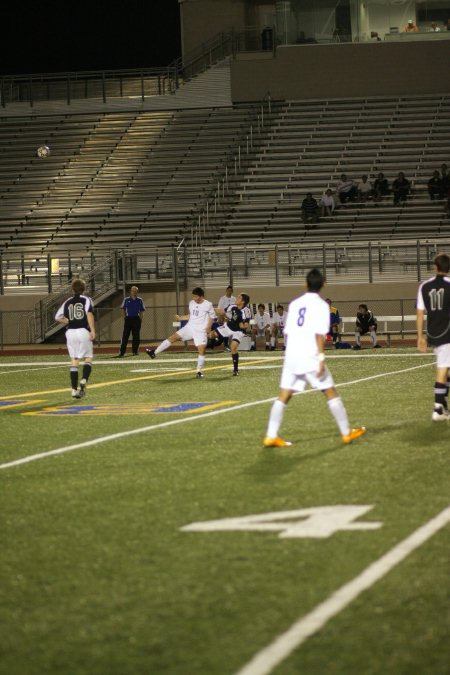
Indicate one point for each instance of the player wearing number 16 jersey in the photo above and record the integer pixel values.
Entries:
(433, 297)
(77, 314)
(308, 322)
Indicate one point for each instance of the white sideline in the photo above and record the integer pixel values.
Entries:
(183, 420)
(272, 655)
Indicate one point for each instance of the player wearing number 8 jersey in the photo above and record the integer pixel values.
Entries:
(308, 321)
(77, 314)
(433, 297)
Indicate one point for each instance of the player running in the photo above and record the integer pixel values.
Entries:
(78, 315)
(307, 324)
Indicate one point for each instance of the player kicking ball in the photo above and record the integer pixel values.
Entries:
(308, 322)
(199, 321)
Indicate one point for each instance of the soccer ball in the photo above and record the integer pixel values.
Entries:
(43, 151)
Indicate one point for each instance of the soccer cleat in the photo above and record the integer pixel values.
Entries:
(275, 442)
(150, 353)
(235, 373)
(267, 348)
(356, 346)
(377, 346)
(354, 433)
(119, 356)
(82, 390)
(440, 414)
(75, 393)
(135, 353)
(200, 375)
(253, 348)
(272, 349)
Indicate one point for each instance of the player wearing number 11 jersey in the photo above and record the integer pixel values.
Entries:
(433, 297)
(308, 322)
(78, 315)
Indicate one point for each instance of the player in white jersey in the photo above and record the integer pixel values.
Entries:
(199, 321)
(278, 322)
(77, 314)
(261, 327)
(307, 324)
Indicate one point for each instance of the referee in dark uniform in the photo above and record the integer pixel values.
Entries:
(133, 309)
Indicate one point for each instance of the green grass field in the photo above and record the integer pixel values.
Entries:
(98, 578)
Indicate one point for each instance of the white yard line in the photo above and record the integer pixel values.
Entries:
(272, 655)
(247, 356)
(182, 420)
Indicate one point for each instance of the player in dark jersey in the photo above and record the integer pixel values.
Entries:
(433, 297)
(365, 323)
(77, 314)
(236, 321)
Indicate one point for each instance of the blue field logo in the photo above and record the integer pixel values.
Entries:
(132, 408)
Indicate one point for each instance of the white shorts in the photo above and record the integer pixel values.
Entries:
(295, 382)
(233, 334)
(199, 337)
(79, 344)
(442, 354)
(261, 332)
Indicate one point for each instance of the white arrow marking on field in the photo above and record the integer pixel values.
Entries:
(318, 522)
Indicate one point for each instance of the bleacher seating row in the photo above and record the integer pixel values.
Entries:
(122, 179)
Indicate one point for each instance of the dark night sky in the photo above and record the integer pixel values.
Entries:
(61, 35)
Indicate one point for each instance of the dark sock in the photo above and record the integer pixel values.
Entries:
(74, 377)
(440, 392)
(87, 371)
(235, 358)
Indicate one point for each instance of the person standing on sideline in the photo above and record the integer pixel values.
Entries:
(262, 327)
(77, 315)
(199, 321)
(308, 321)
(227, 300)
(365, 323)
(133, 309)
(278, 322)
(236, 322)
(433, 297)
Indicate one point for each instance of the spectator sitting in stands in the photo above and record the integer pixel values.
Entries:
(278, 322)
(401, 187)
(345, 189)
(327, 203)
(434, 27)
(364, 188)
(410, 27)
(380, 187)
(310, 209)
(445, 178)
(435, 187)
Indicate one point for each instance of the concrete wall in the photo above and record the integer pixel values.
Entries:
(344, 70)
(202, 20)
(161, 305)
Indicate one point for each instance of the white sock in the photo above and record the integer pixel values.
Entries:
(373, 336)
(358, 339)
(337, 409)
(272, 342)
(165, 344)
(275, 418)
(200, 363)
